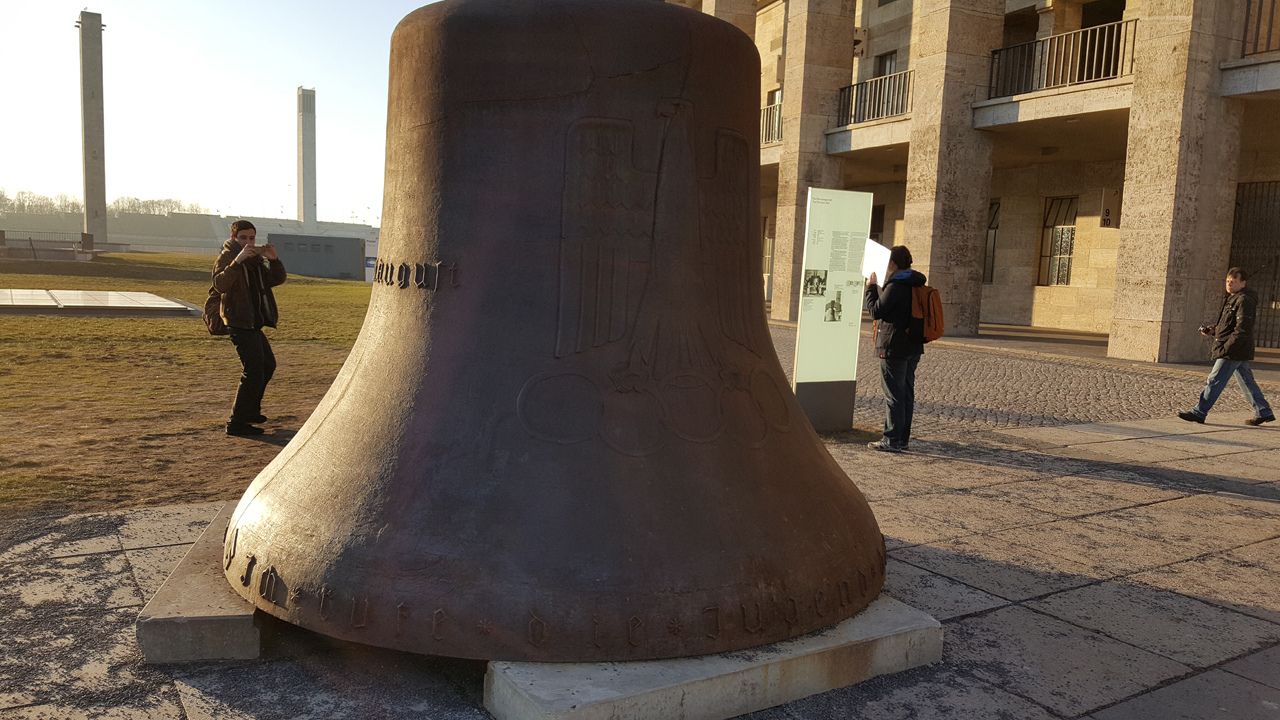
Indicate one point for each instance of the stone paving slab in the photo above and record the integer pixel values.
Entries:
(1175, 626)
(1232, 467)
(1076, 496)
(78, 663)
(1214, 695)
(337, 681)
(935, 693)
(1100, 551)
(941, 597)
(1195, 524)
(166, 525)
(1261, 667)
(152, 565)
(1244, 580)
(1012, 571)
(65, 585)
(1060, 666)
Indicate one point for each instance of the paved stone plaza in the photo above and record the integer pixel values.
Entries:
(1089, 556)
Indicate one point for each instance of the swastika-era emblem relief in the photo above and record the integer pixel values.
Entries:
(655, 275)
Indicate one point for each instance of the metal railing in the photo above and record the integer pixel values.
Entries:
(1097, 53)
(771, 124)
(1261, 27)
(876, 98)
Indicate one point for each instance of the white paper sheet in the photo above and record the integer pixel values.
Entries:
(875, 259)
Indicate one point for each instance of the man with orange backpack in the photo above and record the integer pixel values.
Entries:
(899, 340)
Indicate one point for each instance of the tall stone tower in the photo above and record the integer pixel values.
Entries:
(93, 128)
(307, 156)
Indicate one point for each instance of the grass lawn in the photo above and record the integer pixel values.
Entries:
(102, 413)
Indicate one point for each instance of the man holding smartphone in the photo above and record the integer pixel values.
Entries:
(1232, 351)
(244, 274)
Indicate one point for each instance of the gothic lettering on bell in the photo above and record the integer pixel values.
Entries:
(790, 611)
(820, 603)
(711, 616)
(247, 576)
(326, 600)
(359, 611)
(229, 551)
(402, 614)
(268, 584)
(635, 631)
(753, 619)
(437, 624)
(538, 632)
(416, 275)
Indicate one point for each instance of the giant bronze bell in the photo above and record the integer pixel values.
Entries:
(563, 433)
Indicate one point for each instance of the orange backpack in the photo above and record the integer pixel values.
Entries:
(926, 309)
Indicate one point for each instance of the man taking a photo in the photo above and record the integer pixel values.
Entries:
(244, 274)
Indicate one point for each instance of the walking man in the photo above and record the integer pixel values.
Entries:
(245, 273)
(898, 345)
(1232, 351)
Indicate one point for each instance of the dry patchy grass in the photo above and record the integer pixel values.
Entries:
(101, 413)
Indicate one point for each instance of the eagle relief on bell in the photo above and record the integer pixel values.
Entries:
(563, 433)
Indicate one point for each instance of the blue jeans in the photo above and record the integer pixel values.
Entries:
(898, 380)
(1222, 371)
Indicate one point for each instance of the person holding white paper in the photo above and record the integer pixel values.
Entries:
(897, 345)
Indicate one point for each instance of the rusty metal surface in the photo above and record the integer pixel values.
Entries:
(563, 433)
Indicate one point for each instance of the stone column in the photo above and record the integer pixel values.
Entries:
(818, 61)
(742, 13)
(1058, 16)
(949, 163)
(307, 157)
(1179, 185)
(93, 128)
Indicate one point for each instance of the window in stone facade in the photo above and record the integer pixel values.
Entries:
(989, 250)
(877, 223)
(885, 2)
(886, 64)
(1058, 240)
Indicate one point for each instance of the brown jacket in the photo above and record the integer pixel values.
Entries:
(240, 309)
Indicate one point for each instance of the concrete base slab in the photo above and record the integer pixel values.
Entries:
(195, 615)
(887, 637)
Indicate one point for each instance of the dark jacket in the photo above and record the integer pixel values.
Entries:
(890, 308)
(1233, 335)
(247, 302)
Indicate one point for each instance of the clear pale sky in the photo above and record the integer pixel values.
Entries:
(200, 100)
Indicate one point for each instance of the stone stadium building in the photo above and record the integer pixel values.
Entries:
(1092, 166)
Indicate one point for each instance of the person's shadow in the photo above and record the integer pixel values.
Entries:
(278, 437)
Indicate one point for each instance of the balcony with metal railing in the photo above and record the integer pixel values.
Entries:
(771, 124)
(1261, 27)
(1103, 52)
(875, 99)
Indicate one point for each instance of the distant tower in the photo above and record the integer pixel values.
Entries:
(307, 156)
(92, 127)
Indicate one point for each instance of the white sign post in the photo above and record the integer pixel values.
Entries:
(837, 226)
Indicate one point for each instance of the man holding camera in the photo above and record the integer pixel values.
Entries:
(244, 274)
(1232, 351)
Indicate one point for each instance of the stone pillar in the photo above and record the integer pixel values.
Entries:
(1179, 185)
(307, 157)
(1058, 16)
(949, 163)
(742, 13)
(818, 61)
(93, 128)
